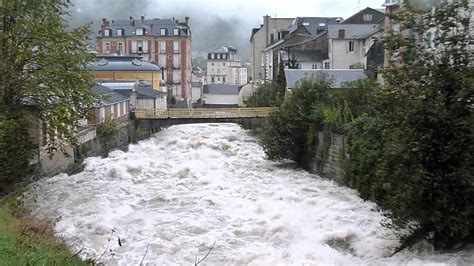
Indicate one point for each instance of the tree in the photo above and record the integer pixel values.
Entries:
(265, 96)
(43, 71)
(425, 173)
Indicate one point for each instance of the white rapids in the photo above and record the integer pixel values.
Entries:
(189, 186)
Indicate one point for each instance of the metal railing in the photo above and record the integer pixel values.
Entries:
(203, 113)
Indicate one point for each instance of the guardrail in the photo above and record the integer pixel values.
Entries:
(203, 113)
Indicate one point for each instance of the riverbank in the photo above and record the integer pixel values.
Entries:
(28, 240)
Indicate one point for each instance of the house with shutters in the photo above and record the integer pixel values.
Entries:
(164, 42)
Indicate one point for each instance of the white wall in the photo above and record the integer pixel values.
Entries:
(341, 58)
(221, 98)
(196, 94)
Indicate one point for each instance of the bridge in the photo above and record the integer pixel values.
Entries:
(156, 119)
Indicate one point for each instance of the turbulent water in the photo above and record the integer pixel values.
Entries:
(190, 186)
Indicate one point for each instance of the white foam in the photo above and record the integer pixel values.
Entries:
(192, 185)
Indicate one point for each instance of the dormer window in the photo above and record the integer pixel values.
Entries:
(107, 32)
(367, 17)
(176, 32)
(120, 32)
(139, 32)
(162, 32)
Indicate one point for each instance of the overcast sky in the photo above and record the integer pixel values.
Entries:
(216, 22)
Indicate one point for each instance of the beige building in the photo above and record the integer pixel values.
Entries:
(270, 31)
(225, 67)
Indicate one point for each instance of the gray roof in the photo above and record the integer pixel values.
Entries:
(353, 31)
(338, 76)
(312, 24)
(196, 83)
(109, 96)
(144, 91)
(122, 63)
(152, 27)
(303, 56)
(221, 89)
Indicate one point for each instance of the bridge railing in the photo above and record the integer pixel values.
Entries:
(203, 113)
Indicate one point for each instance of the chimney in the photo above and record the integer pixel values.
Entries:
(173, 19)
(130, 19)
(142, 18)
(177, 21)
(186, 19)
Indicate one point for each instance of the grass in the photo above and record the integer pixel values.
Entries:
(25, 240)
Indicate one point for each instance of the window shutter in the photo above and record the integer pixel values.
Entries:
(145, 47)
(134, 47)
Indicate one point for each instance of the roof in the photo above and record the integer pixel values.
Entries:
(122, 63)
(143, 90)
(358, 18)
(196, 83)
(303, 56)
(152, 27)
(109, 96)
(339, 76)
(312, 24)
(353, 31)
(221, 89)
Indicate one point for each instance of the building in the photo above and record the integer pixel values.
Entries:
(304, 46)
(225, 67)
(349, 44)
(165, 42)
(245, 92)
(220, 95)
(112, 105)
(338, 76)
(141, 94)
(272, 29)
(197, 87)
(366, 16)
(126, 68)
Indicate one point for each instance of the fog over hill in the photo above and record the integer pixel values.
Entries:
(210, 30)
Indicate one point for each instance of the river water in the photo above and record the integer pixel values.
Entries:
(190, 186)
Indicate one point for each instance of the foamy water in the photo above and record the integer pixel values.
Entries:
(192, 185)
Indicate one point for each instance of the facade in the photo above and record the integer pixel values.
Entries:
(272, 29)
(112, 105)
(349, 44)
(220, 95)
(338, 76)
(166, 42)
(126, 68)
(224, 67)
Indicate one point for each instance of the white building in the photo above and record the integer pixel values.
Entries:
(225, 67)
(221, 95)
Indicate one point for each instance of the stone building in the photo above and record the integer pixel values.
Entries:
(165, 42)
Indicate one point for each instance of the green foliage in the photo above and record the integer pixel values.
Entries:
(285, 133)
(339, 114)
(108, 128)
(267, 95)
(364, 146)
(43, 68)
(425, 172)
(15, 146)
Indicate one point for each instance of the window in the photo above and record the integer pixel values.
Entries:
(351, 46)
(223, 79)
(218, 78)
(176, 61)
(223, 64)
(162, 47)
(175, 47)
(107, 48)
(176, 91)
(212, 56)
(314, 66)
(120, 32)
(176, 32)
(139, 31)
(163, 32)
(212, 64)
(120, 47)
(212, 79)
(327, 65)
(107, 32)
(140, 47)
(341, 34)
(396, 26)
(367, 17)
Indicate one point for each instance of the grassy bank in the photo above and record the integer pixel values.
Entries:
(25, 240)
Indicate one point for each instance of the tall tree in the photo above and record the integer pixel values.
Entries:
(43, 68)
(425, 174)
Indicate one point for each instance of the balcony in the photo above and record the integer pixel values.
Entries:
(392, 2)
